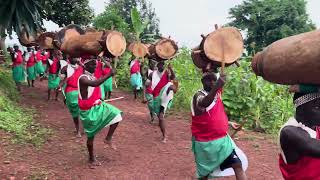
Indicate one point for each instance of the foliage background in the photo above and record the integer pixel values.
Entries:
(14, 119)
(261, 105)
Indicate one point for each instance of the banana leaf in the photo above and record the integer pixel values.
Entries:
(18, 14)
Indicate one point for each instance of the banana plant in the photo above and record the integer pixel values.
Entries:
(18, 14)
(137, 23)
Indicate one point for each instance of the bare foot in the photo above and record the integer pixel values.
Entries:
(109, 144)
(78, 135)
(164, 140)
(152, 122)
(93, 164)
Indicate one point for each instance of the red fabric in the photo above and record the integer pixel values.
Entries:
(31, 61)
(38, 56)
(19, 59)
(54, 66)
(163, 81)
(135, 67)
(106, 71)
(149, 90)
(306, 167)
(98, 71)
(72, 81)
(211, 125)
(45, 57)
(86, 104)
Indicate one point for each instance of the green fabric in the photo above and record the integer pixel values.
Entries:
(136, 81)
(72, 103)
(308, 88)
(39, 68)
(53, 81)
(150, 101)
(18, 73)
(210, 155)
(103, 93)
(157, 103)
(31, 73)
(98, 117)
(108, 85)
(44, 66)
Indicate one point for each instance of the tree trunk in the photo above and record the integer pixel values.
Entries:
(2, 44)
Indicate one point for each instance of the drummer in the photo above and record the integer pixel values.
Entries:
(162, 91)
(212, 146)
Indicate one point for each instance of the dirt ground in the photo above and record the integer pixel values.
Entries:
(140, 153)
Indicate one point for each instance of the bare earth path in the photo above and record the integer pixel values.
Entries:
(140, 153)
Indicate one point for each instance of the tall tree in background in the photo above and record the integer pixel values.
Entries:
(266, 21)
(18, 14)
(111, 19)
(64, 12)
(147, 14)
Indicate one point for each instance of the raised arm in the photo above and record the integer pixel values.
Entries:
(171, 72)
(207, 100)
(297, 140)
(96, 82)
(64, 72)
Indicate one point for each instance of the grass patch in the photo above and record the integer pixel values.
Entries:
(14, 119)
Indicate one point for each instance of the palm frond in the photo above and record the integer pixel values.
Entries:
(18, 14)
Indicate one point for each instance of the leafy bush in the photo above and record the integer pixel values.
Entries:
(14, 119)
(262, 105)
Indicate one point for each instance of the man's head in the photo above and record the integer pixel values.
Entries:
(90, 64)
(73, 60)
(16, 47)
(307, 108)
(151, 64)
(10, 49)
(160, 66)
(208, 80)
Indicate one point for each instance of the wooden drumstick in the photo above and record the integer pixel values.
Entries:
(222, 60)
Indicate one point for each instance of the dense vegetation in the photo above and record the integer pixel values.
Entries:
(248, 99)
(14, 119)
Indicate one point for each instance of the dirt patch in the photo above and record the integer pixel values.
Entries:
(140, 153)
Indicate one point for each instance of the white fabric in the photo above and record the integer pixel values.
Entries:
(293, 122)
(63, 63)
(116, 119)
(230, 171)
(50, 61)
(166, 98)
(149, 72)
(70, 70)
(198, 99)
(132, 63)
(90, 88)
(156, 77)
(27, 56)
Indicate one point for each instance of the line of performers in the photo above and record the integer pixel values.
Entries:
(87, 82)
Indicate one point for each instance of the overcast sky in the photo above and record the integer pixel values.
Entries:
(185, 20)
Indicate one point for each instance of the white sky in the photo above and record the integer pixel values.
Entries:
(185, 20)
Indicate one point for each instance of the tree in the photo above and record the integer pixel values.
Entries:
(111, 19)
(18, 14)
(147, 14)
(65, 12)
(266, 21)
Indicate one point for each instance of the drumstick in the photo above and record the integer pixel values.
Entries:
(240, 127)
(113, 99)
(222, 61)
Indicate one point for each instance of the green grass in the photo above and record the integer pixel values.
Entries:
(17, 121)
